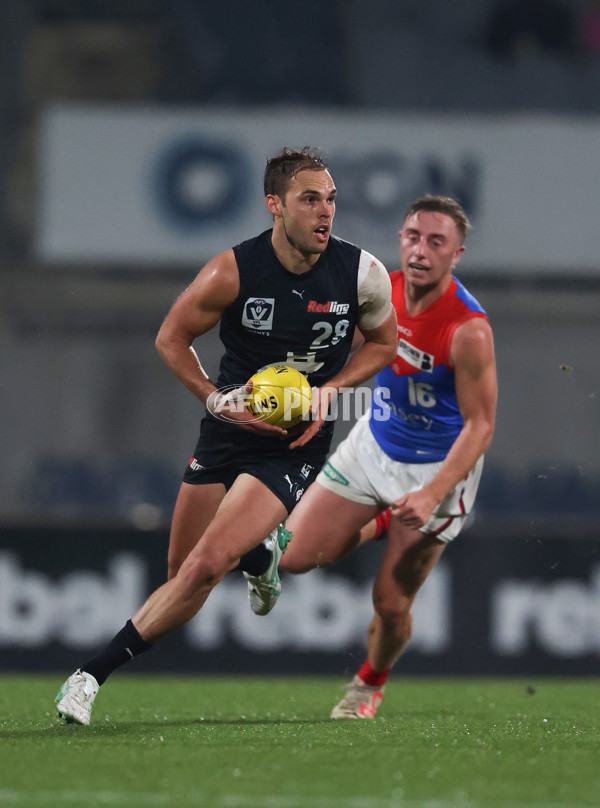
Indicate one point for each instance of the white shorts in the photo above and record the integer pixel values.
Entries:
(360, 470)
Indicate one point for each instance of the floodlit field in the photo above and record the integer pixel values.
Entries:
(267, 743)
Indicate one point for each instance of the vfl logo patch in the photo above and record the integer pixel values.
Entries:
(415, 357)
(258, 313)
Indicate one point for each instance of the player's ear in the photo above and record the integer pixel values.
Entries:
(273, 203)
(458, 254)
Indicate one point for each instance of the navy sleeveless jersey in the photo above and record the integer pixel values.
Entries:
(306, 320)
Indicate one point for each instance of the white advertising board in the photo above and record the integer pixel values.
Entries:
(163, 187)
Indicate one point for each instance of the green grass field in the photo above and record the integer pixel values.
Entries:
(267, 743)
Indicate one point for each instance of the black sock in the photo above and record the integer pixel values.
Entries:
(124, 646)
(256, 561)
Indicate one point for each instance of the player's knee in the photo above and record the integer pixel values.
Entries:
(295, 564)
(393, 610)
(289, 565)
(201, 572)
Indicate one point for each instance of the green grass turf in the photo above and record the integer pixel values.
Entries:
(267, 743)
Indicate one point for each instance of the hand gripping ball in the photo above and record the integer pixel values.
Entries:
(280, 395)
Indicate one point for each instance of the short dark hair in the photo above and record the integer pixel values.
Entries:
(285, 165)
(442, 204)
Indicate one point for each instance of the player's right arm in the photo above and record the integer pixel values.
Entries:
(195, 312)
(472, 357)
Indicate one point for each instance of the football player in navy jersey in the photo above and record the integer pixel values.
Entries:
(294, 294)
(413, 462)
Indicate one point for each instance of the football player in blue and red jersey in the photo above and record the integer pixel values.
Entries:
(415, 459)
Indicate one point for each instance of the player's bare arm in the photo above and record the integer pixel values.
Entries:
(195, 312)
(472, 355)
(377, 350)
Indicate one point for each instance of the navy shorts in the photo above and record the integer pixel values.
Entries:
(224, 452)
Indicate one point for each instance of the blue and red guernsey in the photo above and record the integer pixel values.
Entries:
(414, 415)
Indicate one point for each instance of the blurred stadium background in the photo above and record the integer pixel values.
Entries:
(133, 136)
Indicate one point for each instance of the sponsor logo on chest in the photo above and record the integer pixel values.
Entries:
(331, 307)
(415, 357)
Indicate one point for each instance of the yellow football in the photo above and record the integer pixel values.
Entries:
(280, 395)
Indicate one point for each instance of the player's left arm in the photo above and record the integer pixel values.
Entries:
(472, 356)
(375, 343)
(377, 350)
(378, 327)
